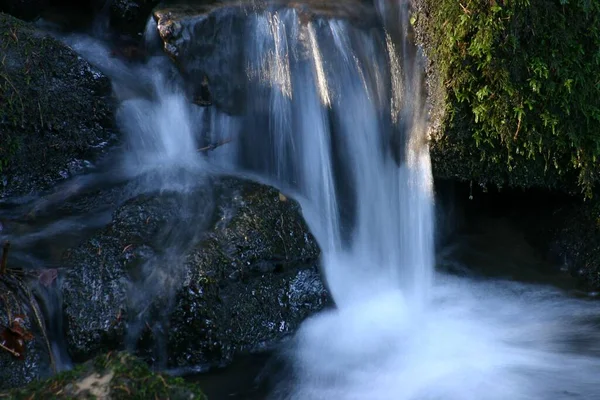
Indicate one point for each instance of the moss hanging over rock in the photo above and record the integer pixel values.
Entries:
(520, 90)
(113, 376)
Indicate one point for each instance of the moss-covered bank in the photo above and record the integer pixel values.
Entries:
(113, 376)
(517, 84)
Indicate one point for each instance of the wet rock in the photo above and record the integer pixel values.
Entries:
(251, 282)
(55, 110)
(23, 9)
(206, 40)
(24, 356)
(97, 283)
(571, 240)
(130, 16)
(112, 376)
(242, 277)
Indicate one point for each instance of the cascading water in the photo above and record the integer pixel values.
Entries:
(334, 116)
(327, 104)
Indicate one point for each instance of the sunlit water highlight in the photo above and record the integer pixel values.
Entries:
(335, 117)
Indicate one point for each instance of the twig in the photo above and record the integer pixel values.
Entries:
(518, 129)
(465, 9)
(36, 312)
(214, 145)
(11, 351)
(41, 118)
(163, 381)
(4, 258)
(123, 388)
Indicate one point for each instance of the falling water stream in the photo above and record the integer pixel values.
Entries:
(335, 116)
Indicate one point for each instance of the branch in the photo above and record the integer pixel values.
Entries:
(213, 146)
(11, 351)
(4, 258)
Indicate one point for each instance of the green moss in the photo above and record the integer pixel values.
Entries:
(129, 378)
(522, 85)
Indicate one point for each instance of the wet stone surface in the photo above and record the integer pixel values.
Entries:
(244, 278)
(56, 113)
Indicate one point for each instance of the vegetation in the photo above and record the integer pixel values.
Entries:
(115, 376)
(522, 84)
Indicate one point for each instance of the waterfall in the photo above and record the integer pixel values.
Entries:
(335, 117)
(333, 114)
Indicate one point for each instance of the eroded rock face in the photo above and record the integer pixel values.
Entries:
(55, 110)
(207, 40)
(246, 277)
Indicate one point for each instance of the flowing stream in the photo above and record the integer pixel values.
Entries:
(335, 117)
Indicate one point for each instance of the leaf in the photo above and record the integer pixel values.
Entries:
(14, 337)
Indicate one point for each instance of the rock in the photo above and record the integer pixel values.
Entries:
(245, 279)
(19, 332)
(206, 41)
(23, 9)
(130, 16)
(112, 376)
(55, 110)
(488, 125)
(97, 283)
(571, 239)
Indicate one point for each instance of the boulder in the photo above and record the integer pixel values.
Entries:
(505, 109)
(206, 39)
(244, 278)
(130, 16)
(23, 9)
(570, 237)
(55, 110)
(111, 376)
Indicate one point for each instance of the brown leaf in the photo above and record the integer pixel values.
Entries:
(12, 343)
(17, 328)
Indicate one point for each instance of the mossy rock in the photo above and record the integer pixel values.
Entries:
(56, 113)
(515, 89)
(193, 278)
(113, 376)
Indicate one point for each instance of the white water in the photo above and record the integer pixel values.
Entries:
(325, 120)
(329, 120)
(335, 118)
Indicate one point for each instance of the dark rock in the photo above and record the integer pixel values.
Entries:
(112, 376)
(55, 110)
(572, 233)
(96, 285)
(23, 9)
(25, 337)
(130, 16)
(206, 41)
(245, 278)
